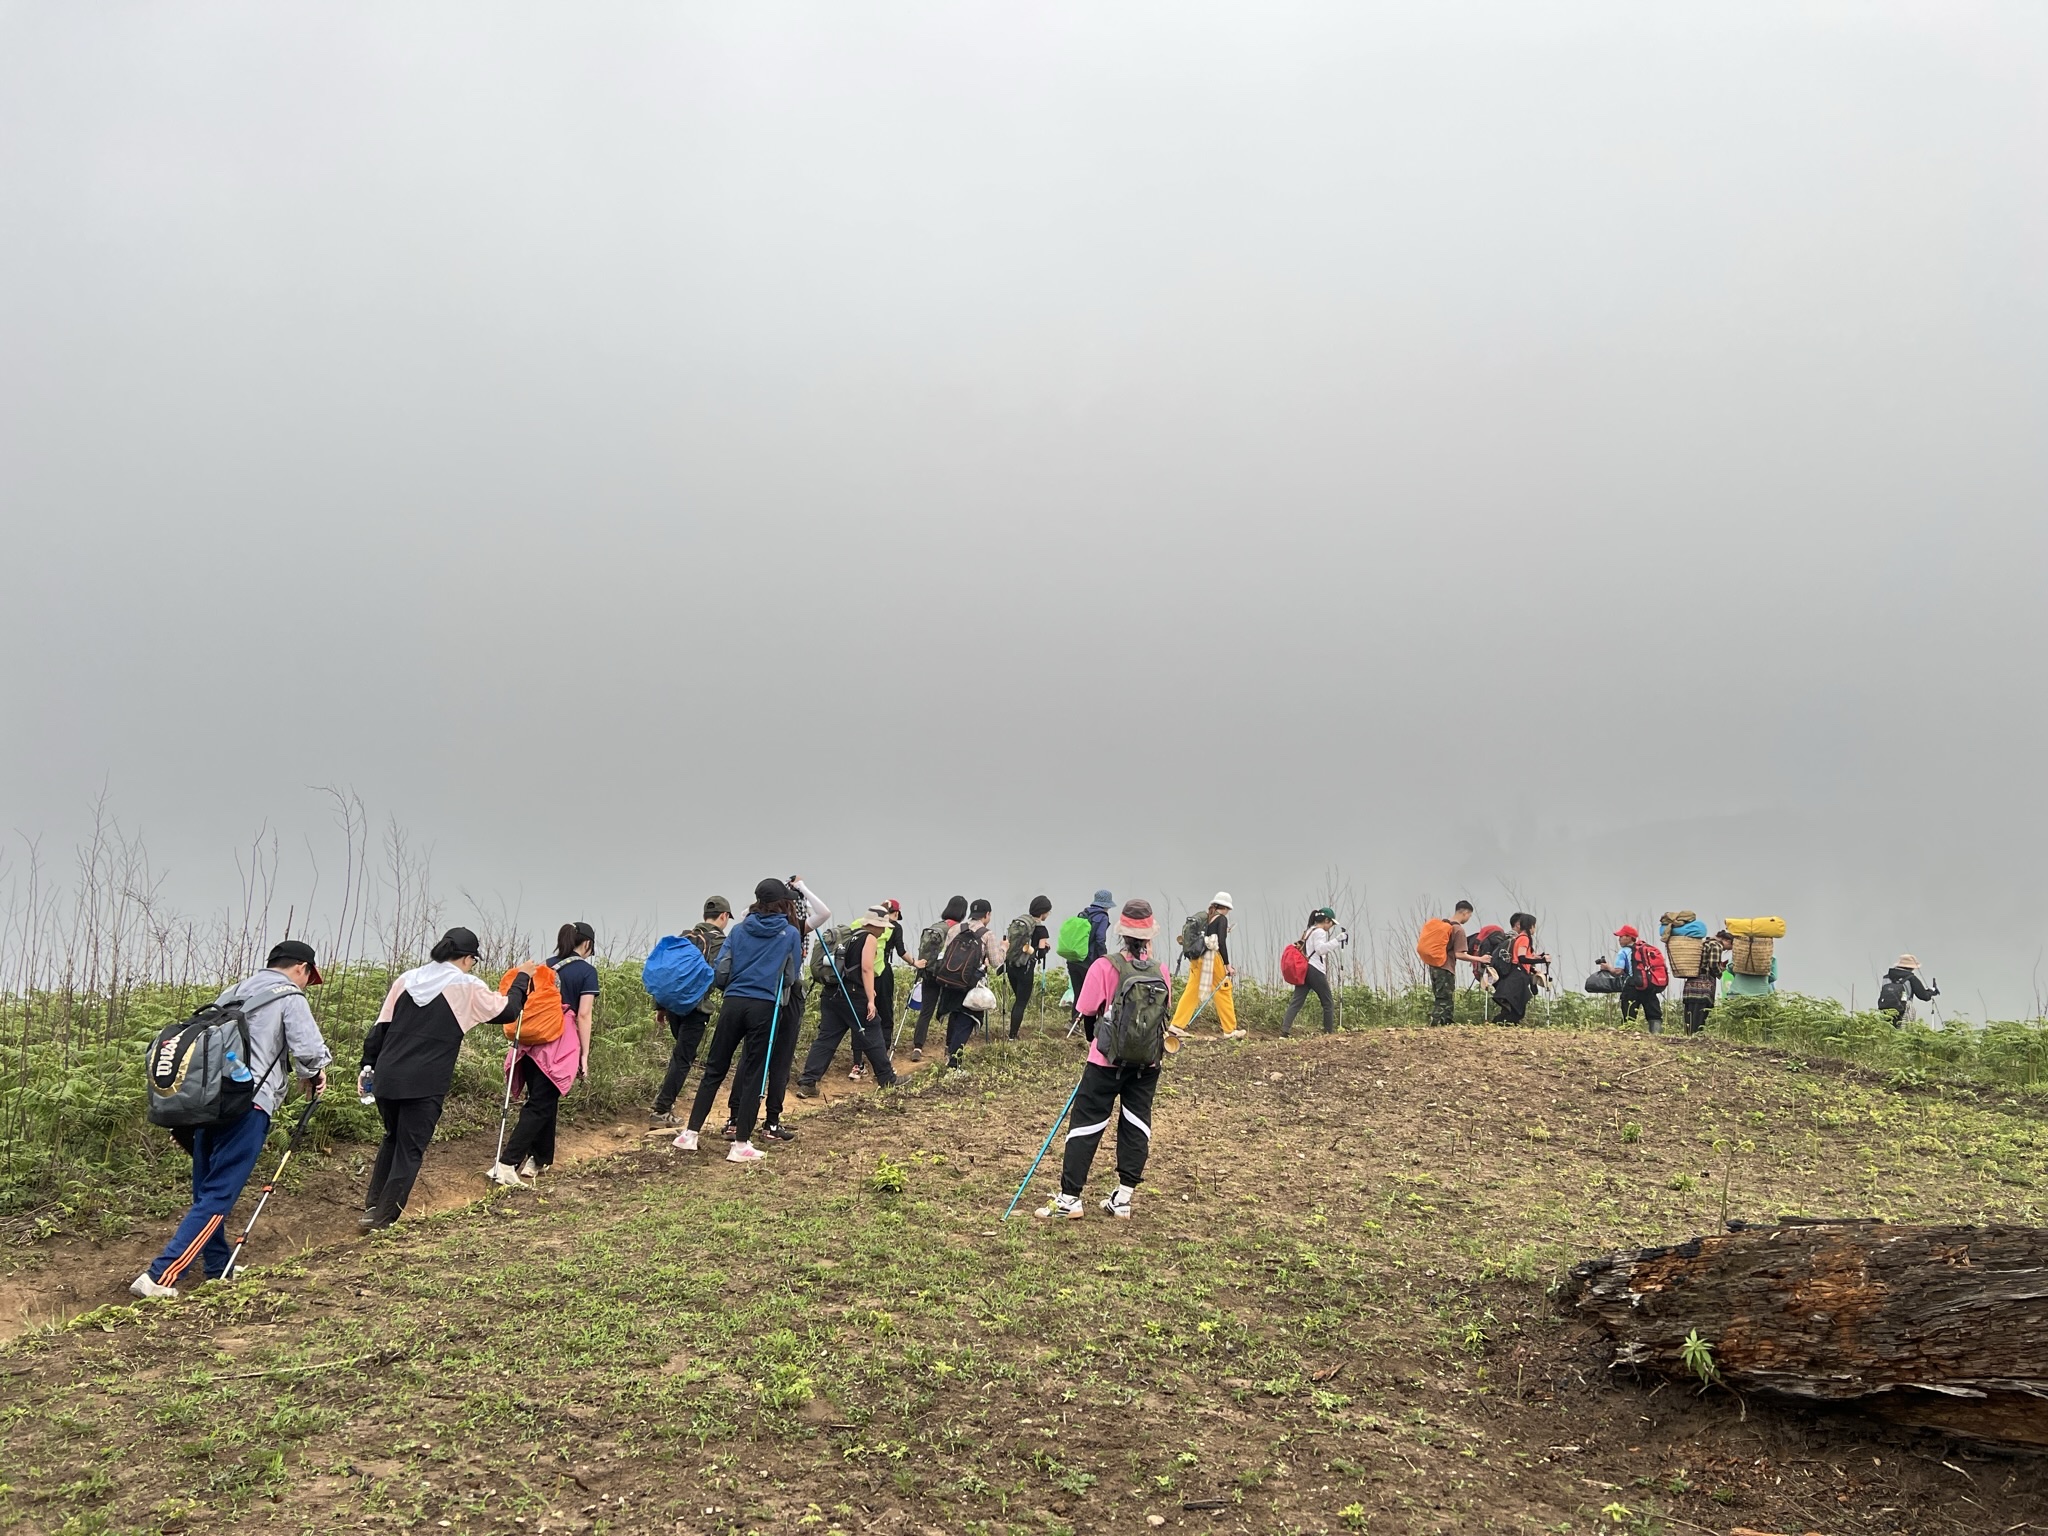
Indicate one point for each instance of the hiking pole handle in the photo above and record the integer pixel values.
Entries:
(1028, 1172)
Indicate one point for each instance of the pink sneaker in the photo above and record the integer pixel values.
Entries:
(686, 1140)
(744, 1152)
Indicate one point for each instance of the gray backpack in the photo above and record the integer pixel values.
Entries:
(1132, 1030)
(199, 1068)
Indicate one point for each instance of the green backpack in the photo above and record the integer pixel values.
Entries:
(830, 942)
(1018, 938)
(1075, 934)
(1132, 1029)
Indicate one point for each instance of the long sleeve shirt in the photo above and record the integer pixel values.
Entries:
(280, 1023)
(1322, 943)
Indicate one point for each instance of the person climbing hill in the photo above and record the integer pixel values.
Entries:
(1901, 988)
(1025, 945)
(930, 945)
(543, 1074)
(687, 1031)
(1081, 950)
(1205, 945)
(1441, 946)
(758, 970)
(1644, 975)
(1321, 941)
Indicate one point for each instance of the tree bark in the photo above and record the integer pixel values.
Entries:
(1942, 1326)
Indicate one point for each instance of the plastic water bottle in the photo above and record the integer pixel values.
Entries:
(238, 1070)
(366, 1086)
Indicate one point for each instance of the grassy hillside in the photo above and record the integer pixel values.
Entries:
(1330, 1314)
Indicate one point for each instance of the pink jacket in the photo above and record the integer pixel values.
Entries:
(1098, 990)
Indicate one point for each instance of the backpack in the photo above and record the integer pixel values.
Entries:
(1076, 934)
(1651, 973)
(1435, 944)
(964, 961)
(1891, 997)
(1501, 952)
(1294, 965)
(1018, 937)
(199, 1066)
(709, 938)
(677, 974)
(830, 942)
(930, 942)
(1132, 1028)
(541, 1022)
(1194, 938)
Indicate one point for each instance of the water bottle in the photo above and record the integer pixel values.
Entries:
(238, 1070)
(366, 1086)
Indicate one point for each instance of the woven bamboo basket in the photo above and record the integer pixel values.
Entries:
(1685, 955)
(1752, 955)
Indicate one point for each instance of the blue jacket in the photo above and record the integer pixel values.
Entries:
(1098, 931)
(758, 950)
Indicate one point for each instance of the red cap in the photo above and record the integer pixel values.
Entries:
(1626, 932)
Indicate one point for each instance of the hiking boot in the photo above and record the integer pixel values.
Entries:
(778, 1132)
(1067, 1206)
(917, 1053)
(1119, 1203)
(142, 1285)
(807, 1090)
(662, 1119)
(686, 1140)
(505, 1176)
(529, 1169)
(744, 1152)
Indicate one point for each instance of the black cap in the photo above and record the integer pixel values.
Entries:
(773, 890)
(458, 942)
(295, 952)
(717, 906)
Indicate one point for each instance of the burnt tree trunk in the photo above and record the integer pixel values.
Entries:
(1939, 1326)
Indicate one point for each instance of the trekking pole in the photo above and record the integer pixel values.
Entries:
(291, 1145)
(505, 1113)
(768, 1056)
(1028, 1172)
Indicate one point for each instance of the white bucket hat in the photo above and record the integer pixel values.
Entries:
(1220, 899)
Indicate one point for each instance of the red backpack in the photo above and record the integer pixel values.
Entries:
(1650, 968)
(1294, 965)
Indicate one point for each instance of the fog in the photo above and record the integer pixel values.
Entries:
(1587, 457)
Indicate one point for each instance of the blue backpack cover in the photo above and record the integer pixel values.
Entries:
(676, 975)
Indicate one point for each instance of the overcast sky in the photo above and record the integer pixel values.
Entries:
(1589, 452)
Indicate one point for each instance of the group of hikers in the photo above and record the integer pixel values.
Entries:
(218, 1078)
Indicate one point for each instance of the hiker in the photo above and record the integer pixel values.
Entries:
(1441, 946)
(1517, 983)
(1644, 976)
(280, 1024)
(1901, 987)
(543, 1074)
(688, 1030)
(809, 912)
(849, 1004)
(1696, 997)
(758, 970)
(970, 954)
(411, 1052)
(1319, 941)
(885, 968)
(1205, 945)
(1740, 985)
(930, 945)
(1025, 944)
(1125, 996)
(1081, 956)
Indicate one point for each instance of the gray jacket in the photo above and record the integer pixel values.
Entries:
(283, 1022)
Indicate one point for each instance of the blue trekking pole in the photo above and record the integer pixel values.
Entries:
(768, 1057)
(1042, 1150)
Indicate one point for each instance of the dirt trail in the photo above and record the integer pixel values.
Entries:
(73, 1275)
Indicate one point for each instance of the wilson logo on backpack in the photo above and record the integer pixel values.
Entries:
(198, 1067)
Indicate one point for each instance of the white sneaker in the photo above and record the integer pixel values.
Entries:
(529, 1169)
(1119, 1203)
(1067, 1206)
(744, 1152)
(505, 1176)
(149, 1290)
(686, 1140)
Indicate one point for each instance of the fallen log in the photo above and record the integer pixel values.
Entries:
(1940, 1326)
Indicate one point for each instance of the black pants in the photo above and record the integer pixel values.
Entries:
(835, 1023)
(1443, 994)
(885, 1001)
(1319, 984)
(742, 1021)
(961, 1021)
(408, 1127)
(1696, 1011)
(788, 1030)
(1023, 978)
(1512, 993)
(1077, 973)
(1652, 1004)
(535, 1133)
(688, 1033)
(1095, 1105)
(926, 1008)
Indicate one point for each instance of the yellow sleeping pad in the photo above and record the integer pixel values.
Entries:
(1757, 927)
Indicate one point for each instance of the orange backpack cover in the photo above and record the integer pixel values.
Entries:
(541, 1023)
(1435, 944)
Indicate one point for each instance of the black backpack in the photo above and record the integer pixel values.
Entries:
(1891, 996)
(1132, 1028)
(1194, 938)
(198, 1068)
(964, 962)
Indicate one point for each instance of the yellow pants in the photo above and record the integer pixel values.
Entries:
(1207, 983)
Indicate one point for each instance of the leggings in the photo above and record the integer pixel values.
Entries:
(408, 1127)
(1319, 984)
(1023, 978)
(741, 1020)
(688, 1032)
